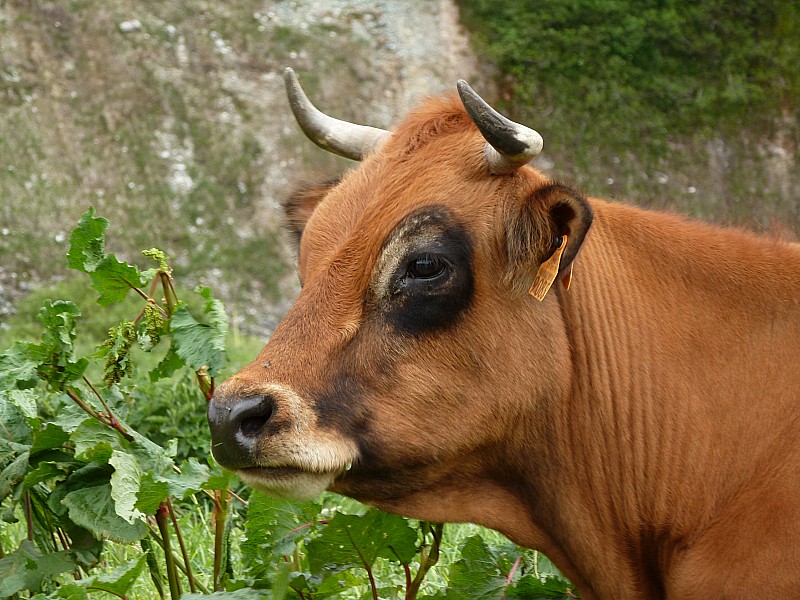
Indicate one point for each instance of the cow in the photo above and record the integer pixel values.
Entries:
(638, 420)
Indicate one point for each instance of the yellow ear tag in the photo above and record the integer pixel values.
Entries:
(547, 273)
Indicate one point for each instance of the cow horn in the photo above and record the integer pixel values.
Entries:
(509, 145)
(340, 137)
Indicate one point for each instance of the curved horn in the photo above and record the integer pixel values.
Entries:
(509, 145)
(340, 137)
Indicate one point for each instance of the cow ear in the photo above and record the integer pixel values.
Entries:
(300, 204)
(534, 226)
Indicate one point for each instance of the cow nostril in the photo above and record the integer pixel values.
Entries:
(250, 416)
(251, 426)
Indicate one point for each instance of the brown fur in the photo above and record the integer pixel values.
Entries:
(641, 429)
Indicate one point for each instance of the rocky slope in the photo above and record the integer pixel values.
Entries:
(171, 119)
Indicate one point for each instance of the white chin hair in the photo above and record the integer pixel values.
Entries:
(296, 486)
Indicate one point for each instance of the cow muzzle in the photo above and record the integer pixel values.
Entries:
(236, 428)
(272, 440)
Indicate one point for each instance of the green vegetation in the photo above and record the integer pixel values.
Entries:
(107, 484)
(674, 104)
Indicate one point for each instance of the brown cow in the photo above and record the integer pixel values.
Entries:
(642, 429)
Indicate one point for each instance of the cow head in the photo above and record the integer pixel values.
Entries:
(413, 364)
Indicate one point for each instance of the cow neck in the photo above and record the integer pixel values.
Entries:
(656, 318)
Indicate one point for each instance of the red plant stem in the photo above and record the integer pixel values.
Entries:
(172, 572)
(29, 515)
(221, 503)
(182, 545)
(110, 420)
(88, 409)
(147, 298)
(511, 576)
(178, 563)
(367, 568)
(407, 570)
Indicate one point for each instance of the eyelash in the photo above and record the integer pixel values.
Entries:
(426, 267)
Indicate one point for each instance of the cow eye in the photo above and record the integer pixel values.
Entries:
(426, 266)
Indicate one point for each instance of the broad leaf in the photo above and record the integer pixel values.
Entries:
(352, 541)
(18, 366)
(119, 581)
(95, 441)
(13, 474)
(26, 568)
(114, 279)
(200, 344)
(57, 361)
(476, 575)
(274, 528)
(94, 508)
(190, 480)
(86, 242)
(125, 485)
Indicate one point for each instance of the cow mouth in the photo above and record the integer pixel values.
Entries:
(278, 472)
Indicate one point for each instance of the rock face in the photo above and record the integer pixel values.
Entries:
(171, 119)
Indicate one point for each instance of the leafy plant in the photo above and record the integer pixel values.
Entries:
(104, 449)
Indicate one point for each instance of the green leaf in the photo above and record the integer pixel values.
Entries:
(198, 344)
(86, 242)
(46, 471)
(57, 363)
(26, 568)
(119, 581)
(274, 528)
(95, 441)
(25, 400)
(114, 279)
(215, 312)
(351, 540)
(48, 437)
(189, 481)
(13, 474)
(476, 574)
(14, 426)
(151, 494)
(221, 479)
(168, 365)
(125, 485)
(94, 508)
(18, 366)
(546, 587)
(86, 476)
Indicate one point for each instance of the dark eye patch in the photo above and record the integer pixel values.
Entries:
(432, 284)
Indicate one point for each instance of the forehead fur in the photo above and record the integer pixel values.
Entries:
(436, 116)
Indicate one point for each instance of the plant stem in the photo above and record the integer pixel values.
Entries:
(511, 576)
(170, 297)
(109, 420)
(222, 500)
(149, 299)
(407, 570)
(29, 515)
(77, 400)
(172, 572)
(203, 589)
(182, 545)
(367, 568)
(428, 558)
